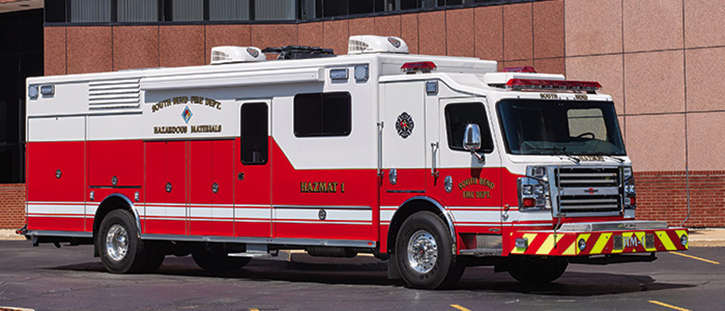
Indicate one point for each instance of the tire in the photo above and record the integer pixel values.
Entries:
(536, 270)
(217, 261)
(424, 253)
(119, 245)
(156, 256)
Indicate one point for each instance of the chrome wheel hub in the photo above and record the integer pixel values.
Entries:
(422, 251)
(117, 242)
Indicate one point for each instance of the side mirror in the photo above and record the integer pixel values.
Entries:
(472, 137)
(472, 140)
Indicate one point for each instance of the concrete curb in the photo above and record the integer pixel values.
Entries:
(707, 237)
(9, 235)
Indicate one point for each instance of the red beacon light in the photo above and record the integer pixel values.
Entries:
(527, 69)
(536, 84)
(424, 67)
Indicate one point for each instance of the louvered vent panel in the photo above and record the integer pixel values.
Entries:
(114, 94)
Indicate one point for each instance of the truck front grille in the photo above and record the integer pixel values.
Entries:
(589, 191)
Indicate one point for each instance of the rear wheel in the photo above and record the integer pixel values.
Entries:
(424, 253)
(215, 261)
(536, 270)
(119, 245)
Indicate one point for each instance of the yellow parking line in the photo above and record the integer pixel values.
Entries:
(253, 309)
(697, 258)
(667, 306)
(460, 308)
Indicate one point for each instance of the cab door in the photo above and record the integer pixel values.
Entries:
(252, 200)
(470, 187)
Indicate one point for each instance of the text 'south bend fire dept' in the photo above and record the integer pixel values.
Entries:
(430, 162)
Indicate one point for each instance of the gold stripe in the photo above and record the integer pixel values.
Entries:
(571, 250)
(548, 245)
(666, 242)
(667, 306)
(460, 308)
(601, 242)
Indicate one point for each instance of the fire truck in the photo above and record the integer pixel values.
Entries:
(433, 163)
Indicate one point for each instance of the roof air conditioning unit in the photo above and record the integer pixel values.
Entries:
(236, 54)
(376, 44)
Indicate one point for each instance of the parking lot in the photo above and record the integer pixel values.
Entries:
(46, 278)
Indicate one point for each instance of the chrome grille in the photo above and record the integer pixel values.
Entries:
(589, 191)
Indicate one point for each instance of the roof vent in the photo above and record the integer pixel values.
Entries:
(376, 44)
(236, 54)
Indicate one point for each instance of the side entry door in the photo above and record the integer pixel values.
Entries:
(404, 140)
(474, 195)
(252, 202)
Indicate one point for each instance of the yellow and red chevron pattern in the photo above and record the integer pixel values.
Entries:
(548, 243)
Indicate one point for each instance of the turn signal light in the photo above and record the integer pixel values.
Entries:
(529, 202)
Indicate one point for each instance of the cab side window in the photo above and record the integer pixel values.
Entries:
(460, 115)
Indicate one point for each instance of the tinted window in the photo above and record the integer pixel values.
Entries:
(458, 116)
(254, 133)
(535, 127)
(322, 114)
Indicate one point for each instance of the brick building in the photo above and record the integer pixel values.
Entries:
(657, 58)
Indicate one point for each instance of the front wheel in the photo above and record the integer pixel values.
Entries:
(120, 248)
(424, 253)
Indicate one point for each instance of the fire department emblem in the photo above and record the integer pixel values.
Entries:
(253, 52)
(405, 125)
(186, 115)
(394, 42)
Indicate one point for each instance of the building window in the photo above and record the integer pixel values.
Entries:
(322, 114)
(130, 11)
(90, 11)
(192, 11)
(229, 10)
(269, 10)
(185, 10)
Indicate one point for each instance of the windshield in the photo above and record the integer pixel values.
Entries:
(535, 127)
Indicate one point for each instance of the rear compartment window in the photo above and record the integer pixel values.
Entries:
(322, 114)
(254, 134)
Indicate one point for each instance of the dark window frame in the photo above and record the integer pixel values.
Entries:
(255, 138)
(487, 144)
(303, 109)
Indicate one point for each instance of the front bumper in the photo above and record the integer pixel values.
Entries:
(622, 239)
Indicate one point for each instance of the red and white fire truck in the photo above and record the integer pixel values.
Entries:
(430, 162)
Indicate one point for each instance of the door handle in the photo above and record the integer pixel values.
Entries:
(434, 149)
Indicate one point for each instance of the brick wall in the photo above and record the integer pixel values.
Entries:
(12, 206)
(663, 196)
